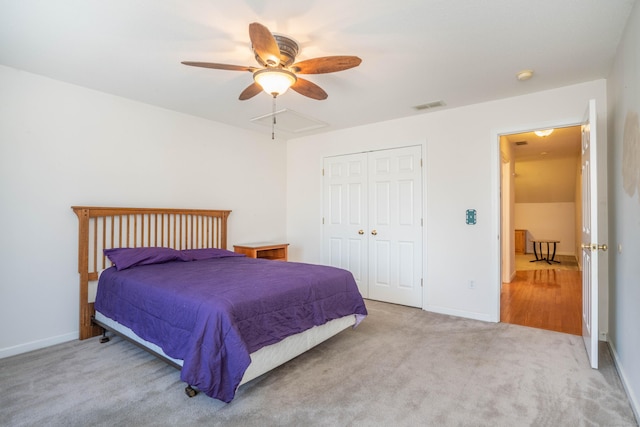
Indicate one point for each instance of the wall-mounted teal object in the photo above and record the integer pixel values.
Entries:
(471, 216)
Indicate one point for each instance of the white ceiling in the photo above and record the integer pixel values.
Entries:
(413, 51)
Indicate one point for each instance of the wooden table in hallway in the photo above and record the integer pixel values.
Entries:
(548, 259)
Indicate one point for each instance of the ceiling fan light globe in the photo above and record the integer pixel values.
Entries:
(274, 81)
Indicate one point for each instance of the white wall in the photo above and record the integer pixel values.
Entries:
(547, 180)
(462, 171)
(552, 221)
(624, 168)
(63, 145)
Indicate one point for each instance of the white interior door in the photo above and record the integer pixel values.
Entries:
(372, 222)
(345, 216)
(395, 226)
(590, 246)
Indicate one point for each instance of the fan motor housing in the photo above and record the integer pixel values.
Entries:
(288, 50)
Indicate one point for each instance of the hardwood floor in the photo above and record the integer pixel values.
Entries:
(545, 299)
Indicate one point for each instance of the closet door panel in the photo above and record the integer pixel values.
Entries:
(345, 216)
(395, 223)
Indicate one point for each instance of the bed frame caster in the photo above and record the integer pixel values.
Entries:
(104, 338)
(190, 391)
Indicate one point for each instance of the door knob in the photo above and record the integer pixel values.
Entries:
(374, 232)
(360, 232)
(594, 247)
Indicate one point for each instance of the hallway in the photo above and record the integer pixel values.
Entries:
(547, 299)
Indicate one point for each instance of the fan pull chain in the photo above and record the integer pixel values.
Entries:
(273, 124)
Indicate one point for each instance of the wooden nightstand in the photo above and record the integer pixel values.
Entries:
(264, 250)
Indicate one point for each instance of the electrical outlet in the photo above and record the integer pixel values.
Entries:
(472, 284)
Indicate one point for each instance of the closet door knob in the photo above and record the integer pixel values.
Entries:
(374, 232)
(360, 232)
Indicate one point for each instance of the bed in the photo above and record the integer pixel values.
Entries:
(234, 319)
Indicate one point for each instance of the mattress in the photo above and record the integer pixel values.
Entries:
(262, 360)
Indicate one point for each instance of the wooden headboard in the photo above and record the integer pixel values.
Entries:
(106, 227)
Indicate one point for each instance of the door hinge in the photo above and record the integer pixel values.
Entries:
(421, 222)
(322, 171)
(421, 284)
(322, 220)
(420, 162)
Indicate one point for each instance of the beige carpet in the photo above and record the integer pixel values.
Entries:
(527, 262)
(400, 367)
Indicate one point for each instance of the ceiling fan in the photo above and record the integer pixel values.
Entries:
(278, 70)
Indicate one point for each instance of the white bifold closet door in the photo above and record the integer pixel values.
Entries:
(372, 221)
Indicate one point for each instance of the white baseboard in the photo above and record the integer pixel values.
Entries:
(36, 345)
(635, 406)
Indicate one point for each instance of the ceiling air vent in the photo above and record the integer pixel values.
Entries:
(521, 143)
(429, 105)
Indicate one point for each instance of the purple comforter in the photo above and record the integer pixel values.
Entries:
(213, 313)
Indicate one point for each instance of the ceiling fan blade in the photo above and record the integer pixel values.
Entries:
(326, 64)
(251, 91)
(264, 44)
(309, 89)
(219, 66)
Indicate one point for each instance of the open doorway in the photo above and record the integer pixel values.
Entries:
(540, 213)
